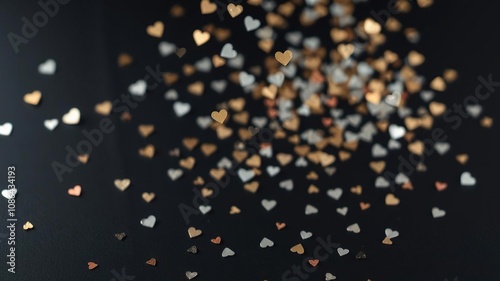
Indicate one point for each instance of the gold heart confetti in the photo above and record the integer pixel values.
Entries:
(234, 210)
(280, 225)
(146, 130)
(156, 30)
(148, 151)
(103, 108)
(283, 58)
(122, 184)
(151, 262)
(219, 116)
(27, 226)
(83, 158)
(208, 149)
(200, 37)
(299, 249)
(391, 200)
(148, 196)
(187, 163)
(345, 50)
(124, 60)
(207, 7)
(216, 240)
(251, 186)
(193, 232)
(234, 10)
(33, 98)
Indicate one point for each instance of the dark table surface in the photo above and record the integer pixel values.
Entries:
(85, 38)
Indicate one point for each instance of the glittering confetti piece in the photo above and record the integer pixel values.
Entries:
(486, 122)
(51, 124)
(148, 151)
(75, 191)
(217, 240)
(27, 226)
(310, 210)
(234, 10)
(151, 262)
(33, 98)
(391, 233)
(360, 255)
(120, 236)
(283, 58)
(462, 158)
(124, 60)
(268, 204)
(103, 108)
(156, 30)
(9, 193)
(149, 221)
(48, 67)
(92, 265)
(466, 179)
(72, 117)
(438, 213)
(192, 250)
(329, 277)
(342, 251)
(234, 210)
(122, 184)
(440, 186)
(387, 241)
(219, 116)
(299, 249)
(148, 196)
(313, 263)
(266, 243)
(193, 232)
(227, 253)
(145, 130)
(83, 158)
(180, 52)
(200, 37)
(354, 228)
(305, 235)
(391, 200)
(190, 275)
(364, 206)
(280, 225)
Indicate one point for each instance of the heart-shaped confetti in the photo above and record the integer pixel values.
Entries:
(299, 249)
(234, 10)
(228, 52)
(391, 233)
(192, 250)
(156, 30)
(466, 179)
(342, 211)
(283, 58)
(181, 108)
(92, 265)
(149, 221)
(174, 174)
(122, 184)
(9, 193)
(120, 236)
(72, 117)
(200, 37)
(51, 124)
(205, 209)
(335, 193)
(148, 196)
(27, 226)
(48, 67)
(268, 204)
(138, 88)
(329, 277)
(227, 253)
(391, 200)
(265, 243)
(193, 232)
(305, 235)
(219, 116)
(6, 129)
(438, 213)
(342, 252)
(75, 191)
(33, 98)
(310, 210)
(354, 228)
(151, 262)
(251, 23)
(190, 275)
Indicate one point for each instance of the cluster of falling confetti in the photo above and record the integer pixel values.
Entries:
(356, 91)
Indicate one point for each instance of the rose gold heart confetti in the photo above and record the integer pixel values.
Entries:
(440, 186)
(216, 240)
(156, 30)
(234, 10)
(217, 173)
(252, 186)
(83, 158)
(33, 98)
(280, 225)
(438, 84)
(486, 122)
(407, 185)
(148, 196)
(146, 130)
(219, 116)
(196, 88)
(200, 37)
(193, 232)
(148, 151)
(92, 265)
(104, 108)
(391, 200)
(27, 226)
(217, 61)
(187, 163)
(364, 206)
(314, 263)
(122, 184)
(283, 58)
(151, 262)
(437, 108)
(299, 249)
(234, 210)
(75, 191)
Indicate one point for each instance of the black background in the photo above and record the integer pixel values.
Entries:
(85, 38)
